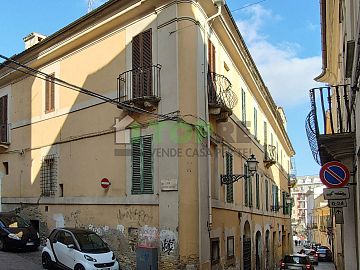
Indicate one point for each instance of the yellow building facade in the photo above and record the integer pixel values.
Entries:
(162, 100)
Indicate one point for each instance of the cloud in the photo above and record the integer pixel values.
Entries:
(288, 76)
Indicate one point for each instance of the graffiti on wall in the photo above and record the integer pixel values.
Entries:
(148, 237)
(134, 216)
(100, 230)
(168, 241)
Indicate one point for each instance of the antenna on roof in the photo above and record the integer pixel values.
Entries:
(90, 5)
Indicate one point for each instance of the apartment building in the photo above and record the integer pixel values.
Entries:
(332, 123)
(305, 191)
(139, 121)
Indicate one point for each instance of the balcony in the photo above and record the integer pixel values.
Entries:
(221, 98)
(270, 155)
(330, 123)
(140, 88)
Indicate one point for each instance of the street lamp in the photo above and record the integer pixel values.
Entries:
(252, 165)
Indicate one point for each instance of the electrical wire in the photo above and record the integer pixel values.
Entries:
(46, 77)
(249, 5)
(71, 86)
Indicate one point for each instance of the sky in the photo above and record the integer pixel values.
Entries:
(283, 37)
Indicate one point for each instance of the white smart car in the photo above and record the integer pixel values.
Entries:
(77, 249)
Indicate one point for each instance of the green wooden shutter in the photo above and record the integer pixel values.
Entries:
(266, 195)
(229, 171)
(250, 192)
(283, 202)
(147, 175)
(142, 165)
(246, 186)
(255, 123)
(243, 105)
(257, 192)
(136, 165)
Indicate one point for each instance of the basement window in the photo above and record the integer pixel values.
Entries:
(48, 176)
(230, 247)
(6, 167)
(215, 251)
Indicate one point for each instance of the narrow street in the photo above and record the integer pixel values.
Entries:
(20, 260)
(322, 265)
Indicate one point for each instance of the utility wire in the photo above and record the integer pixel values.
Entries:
(249, 5)
(46, 77)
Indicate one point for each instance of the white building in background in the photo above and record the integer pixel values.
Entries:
(304, 193)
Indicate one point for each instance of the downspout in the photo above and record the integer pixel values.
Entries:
(207, 112)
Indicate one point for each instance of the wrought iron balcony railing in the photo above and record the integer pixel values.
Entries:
(219, 91)
(331, 114)
(140, 84)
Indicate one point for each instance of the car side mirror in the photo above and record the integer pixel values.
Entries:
(71, 246)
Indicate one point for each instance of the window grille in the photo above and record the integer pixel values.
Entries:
(48, 176)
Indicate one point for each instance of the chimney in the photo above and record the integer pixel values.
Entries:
(32, 39)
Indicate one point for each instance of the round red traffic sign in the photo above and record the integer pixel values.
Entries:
(334, 174)
(105, 183)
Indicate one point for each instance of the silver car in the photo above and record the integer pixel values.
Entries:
(313, 256)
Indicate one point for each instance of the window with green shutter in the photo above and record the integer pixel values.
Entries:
(250, 191)
(142, 165)
(255, 123)
(246, 183)
(284, 202)
(243, 106)
(257, 192)
(229, 171)
(266, 195)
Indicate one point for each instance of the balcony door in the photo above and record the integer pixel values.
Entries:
(142, 64)
(211, 73)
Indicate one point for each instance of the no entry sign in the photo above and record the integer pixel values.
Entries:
(334, 174)
(105, 183)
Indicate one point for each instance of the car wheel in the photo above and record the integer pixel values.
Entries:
(46, 261)
(79, 267)
(2, 245)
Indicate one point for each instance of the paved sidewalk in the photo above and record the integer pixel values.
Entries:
(14, 261)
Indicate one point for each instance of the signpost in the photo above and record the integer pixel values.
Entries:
(339, 216)
(337, 203)
(105, 183)
(334, 174)
(336, 193)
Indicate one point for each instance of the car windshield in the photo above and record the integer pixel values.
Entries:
(296, 260)
(321, 250)
(91, 243)
(14, 221)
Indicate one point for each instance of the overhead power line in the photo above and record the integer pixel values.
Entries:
(249, 5)
(46, 77)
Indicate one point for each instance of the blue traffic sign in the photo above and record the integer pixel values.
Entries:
(334, 174)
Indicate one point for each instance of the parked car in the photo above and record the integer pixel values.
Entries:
(296, 261)
(324, 254)
(77, 249)
(313, 256)
(17, 233)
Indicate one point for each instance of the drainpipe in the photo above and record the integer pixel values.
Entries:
(219, 4)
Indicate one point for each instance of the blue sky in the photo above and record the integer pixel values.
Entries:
(283, 37)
